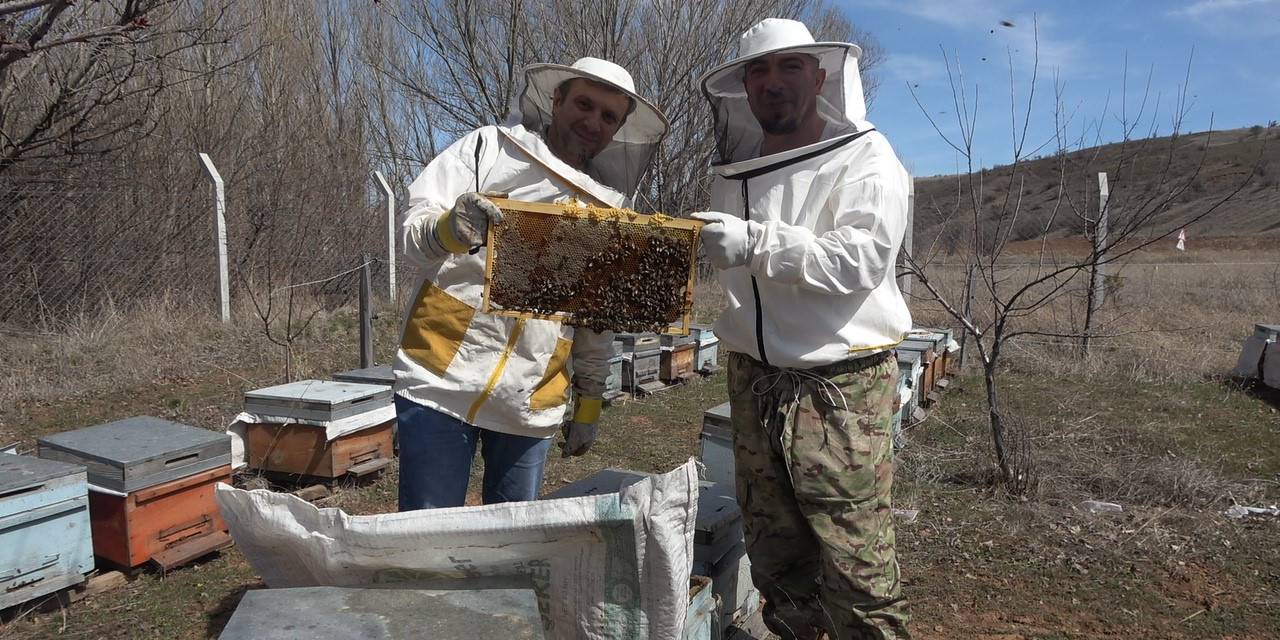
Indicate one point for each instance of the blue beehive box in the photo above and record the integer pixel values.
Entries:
(911, 370)
(716, 442)
(700, 621)
(707, 354)
(613, 384)
(45, 544)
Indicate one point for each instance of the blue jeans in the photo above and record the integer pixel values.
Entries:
(435, 460)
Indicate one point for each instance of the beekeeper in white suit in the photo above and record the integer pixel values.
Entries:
(464, 377)
(810, 208)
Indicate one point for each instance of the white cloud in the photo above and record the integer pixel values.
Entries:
(1217, 7)
(913, 68)
(1232, 19)
(1031, 32)
(953, 13)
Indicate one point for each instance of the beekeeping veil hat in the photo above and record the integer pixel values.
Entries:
(621, 164)
(841, 104)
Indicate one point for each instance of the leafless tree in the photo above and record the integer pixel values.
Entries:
(81, 78)
(989, 213)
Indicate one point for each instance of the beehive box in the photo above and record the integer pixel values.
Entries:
(45, 542)
(1268, 332)
(942, 338)
(151, 488)
(1271, 366)
(669, 341)
(380, 375)
(938, 342)
(632, 342)
(386, 612)
(304, 449)
(925, 349)
(701, 331)
(138, 452)
(640, 368)
(170, 523)
(318, 400)
(700, 617)
(676, 363)
(707, 357)
(732, 585)
(613, 383)
(716, 442)
(1250, 363)
(607, 269)
(911, 369)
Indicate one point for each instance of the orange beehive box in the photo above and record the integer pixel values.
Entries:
(677, 362)
(303, 449)
(170, 523)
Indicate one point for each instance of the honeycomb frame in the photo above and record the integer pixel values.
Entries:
(619, 223)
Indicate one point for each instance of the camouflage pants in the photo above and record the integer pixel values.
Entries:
(814, 461)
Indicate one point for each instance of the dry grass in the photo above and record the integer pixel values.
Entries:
(708, 296)
(167, 349)
(1171, 318)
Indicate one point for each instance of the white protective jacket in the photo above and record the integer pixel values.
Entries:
(826, 222)
(499, 373)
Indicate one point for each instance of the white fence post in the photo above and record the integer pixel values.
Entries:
(390, 197)
(220, 236)
(1100, 243)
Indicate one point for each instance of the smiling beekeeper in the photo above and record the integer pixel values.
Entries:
(464, 377)
(810, 211)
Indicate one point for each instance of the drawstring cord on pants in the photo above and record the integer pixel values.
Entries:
(770, 398)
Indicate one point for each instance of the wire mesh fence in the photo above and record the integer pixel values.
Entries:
(70, 246)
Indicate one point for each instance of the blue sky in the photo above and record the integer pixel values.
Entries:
(1234, 72)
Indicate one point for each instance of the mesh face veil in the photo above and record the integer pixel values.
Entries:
(622, 163)
(840, 105)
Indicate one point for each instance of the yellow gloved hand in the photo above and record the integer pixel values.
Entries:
(580, 432)
(466, 225)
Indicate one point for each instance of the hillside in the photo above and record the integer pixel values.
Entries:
(1191, 173)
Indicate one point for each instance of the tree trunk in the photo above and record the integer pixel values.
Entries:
(997, 423)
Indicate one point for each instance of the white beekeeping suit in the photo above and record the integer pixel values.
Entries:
(499, 373)
(825, 221)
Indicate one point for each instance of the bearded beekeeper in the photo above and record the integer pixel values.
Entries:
(810, 211)
(465, 377)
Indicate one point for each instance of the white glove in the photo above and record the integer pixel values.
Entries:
(726, 239)
(466, 226)
(578, 437)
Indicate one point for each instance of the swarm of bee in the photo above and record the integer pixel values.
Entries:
(603, 273)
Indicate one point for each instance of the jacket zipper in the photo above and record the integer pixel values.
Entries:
(755, 287)
(497, 371)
